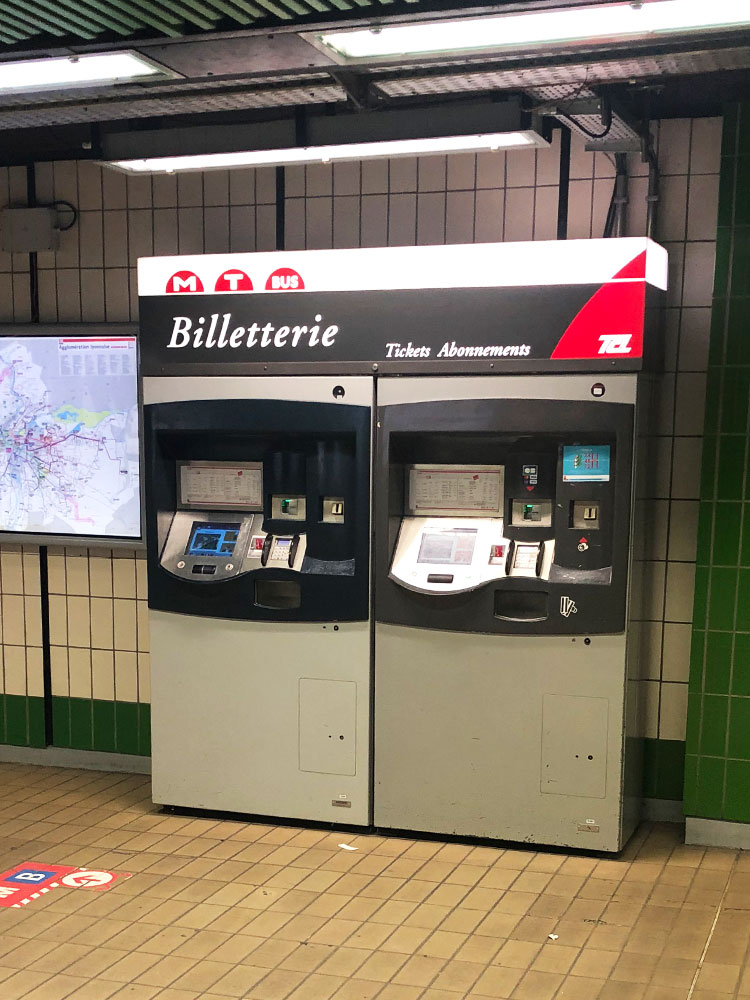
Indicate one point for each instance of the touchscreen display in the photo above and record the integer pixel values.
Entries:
(210, 539)
(448, 548)
(586, 463)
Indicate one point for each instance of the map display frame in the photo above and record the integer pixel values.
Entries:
(71, 435)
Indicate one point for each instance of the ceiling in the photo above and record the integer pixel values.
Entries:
(248, 60)
(73, 22)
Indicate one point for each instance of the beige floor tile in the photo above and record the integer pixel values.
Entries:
(664, 993)
(218, 910)
(272, 953)
(622, 991)
(579, 988)
(166, 971)
(720, 978)
(202, 976)
(676, 972)
(443, 944)
(554, 957)
(344, 961)
(352, 989)
(418, 971)
(305, 958)
(240, 980)
(517, 954)
(55, 988)
(394, 992)
(498, 981)
(405, 940)
(594, 963)
(95, 989)
(381, 966)
(462, 920)
(538, 986)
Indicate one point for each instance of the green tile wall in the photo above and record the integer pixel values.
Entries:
(22, 720)
(107, 726)
(717, 763)
(663, 769)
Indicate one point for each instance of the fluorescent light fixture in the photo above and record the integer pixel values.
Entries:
(613, 22)
(329, 154)
(60, 73)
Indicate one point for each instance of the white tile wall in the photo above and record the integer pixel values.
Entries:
(688, 153)
(92, 275)
(99, 623)
(21, 669)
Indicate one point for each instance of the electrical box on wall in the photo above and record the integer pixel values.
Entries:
(28, 230)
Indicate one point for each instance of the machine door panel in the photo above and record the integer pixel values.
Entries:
(574, 745)
(463, 723)
(327, 726)
(242, 711)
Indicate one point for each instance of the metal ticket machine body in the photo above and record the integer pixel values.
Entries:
(493, 665)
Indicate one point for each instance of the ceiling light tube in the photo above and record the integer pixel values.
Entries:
(630, 21)
(329, 154)
(61, 73)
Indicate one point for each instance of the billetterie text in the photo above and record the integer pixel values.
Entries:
(218, 333)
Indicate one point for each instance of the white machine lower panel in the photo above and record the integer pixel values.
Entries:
(268, 719)
(510, 737)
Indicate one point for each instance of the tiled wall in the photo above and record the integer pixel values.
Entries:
(464, 198)
(689, 154)
(99, 660)
(92, 277)
(21, 665)
(718, 763)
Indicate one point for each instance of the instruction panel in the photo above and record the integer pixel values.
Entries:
(457, 489)
(222, 485)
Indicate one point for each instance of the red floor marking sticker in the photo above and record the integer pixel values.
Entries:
(85, 878)
(19, 885)
(23, 884)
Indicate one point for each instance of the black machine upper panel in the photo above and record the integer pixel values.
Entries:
(259, 509)
(504, 515)
(558, 306)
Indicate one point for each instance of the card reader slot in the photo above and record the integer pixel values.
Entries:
(510, 557)
(293, 551)
(266, 551)
(440, 578)
(521, 605)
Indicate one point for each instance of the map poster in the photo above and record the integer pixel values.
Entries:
(69, 436)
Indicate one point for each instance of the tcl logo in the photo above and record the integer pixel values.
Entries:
(184, 281)
(233, 281)
(615, 343)
(284, 280)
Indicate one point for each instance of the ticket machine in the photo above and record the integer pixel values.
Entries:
(258, 560)
(509, 383)
(504, 529)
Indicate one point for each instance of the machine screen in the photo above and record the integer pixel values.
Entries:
(452, 547)
(210, 539)
(585, 463)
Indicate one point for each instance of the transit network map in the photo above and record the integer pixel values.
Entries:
(69, 449)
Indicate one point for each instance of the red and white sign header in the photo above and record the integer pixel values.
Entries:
(478, 265)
